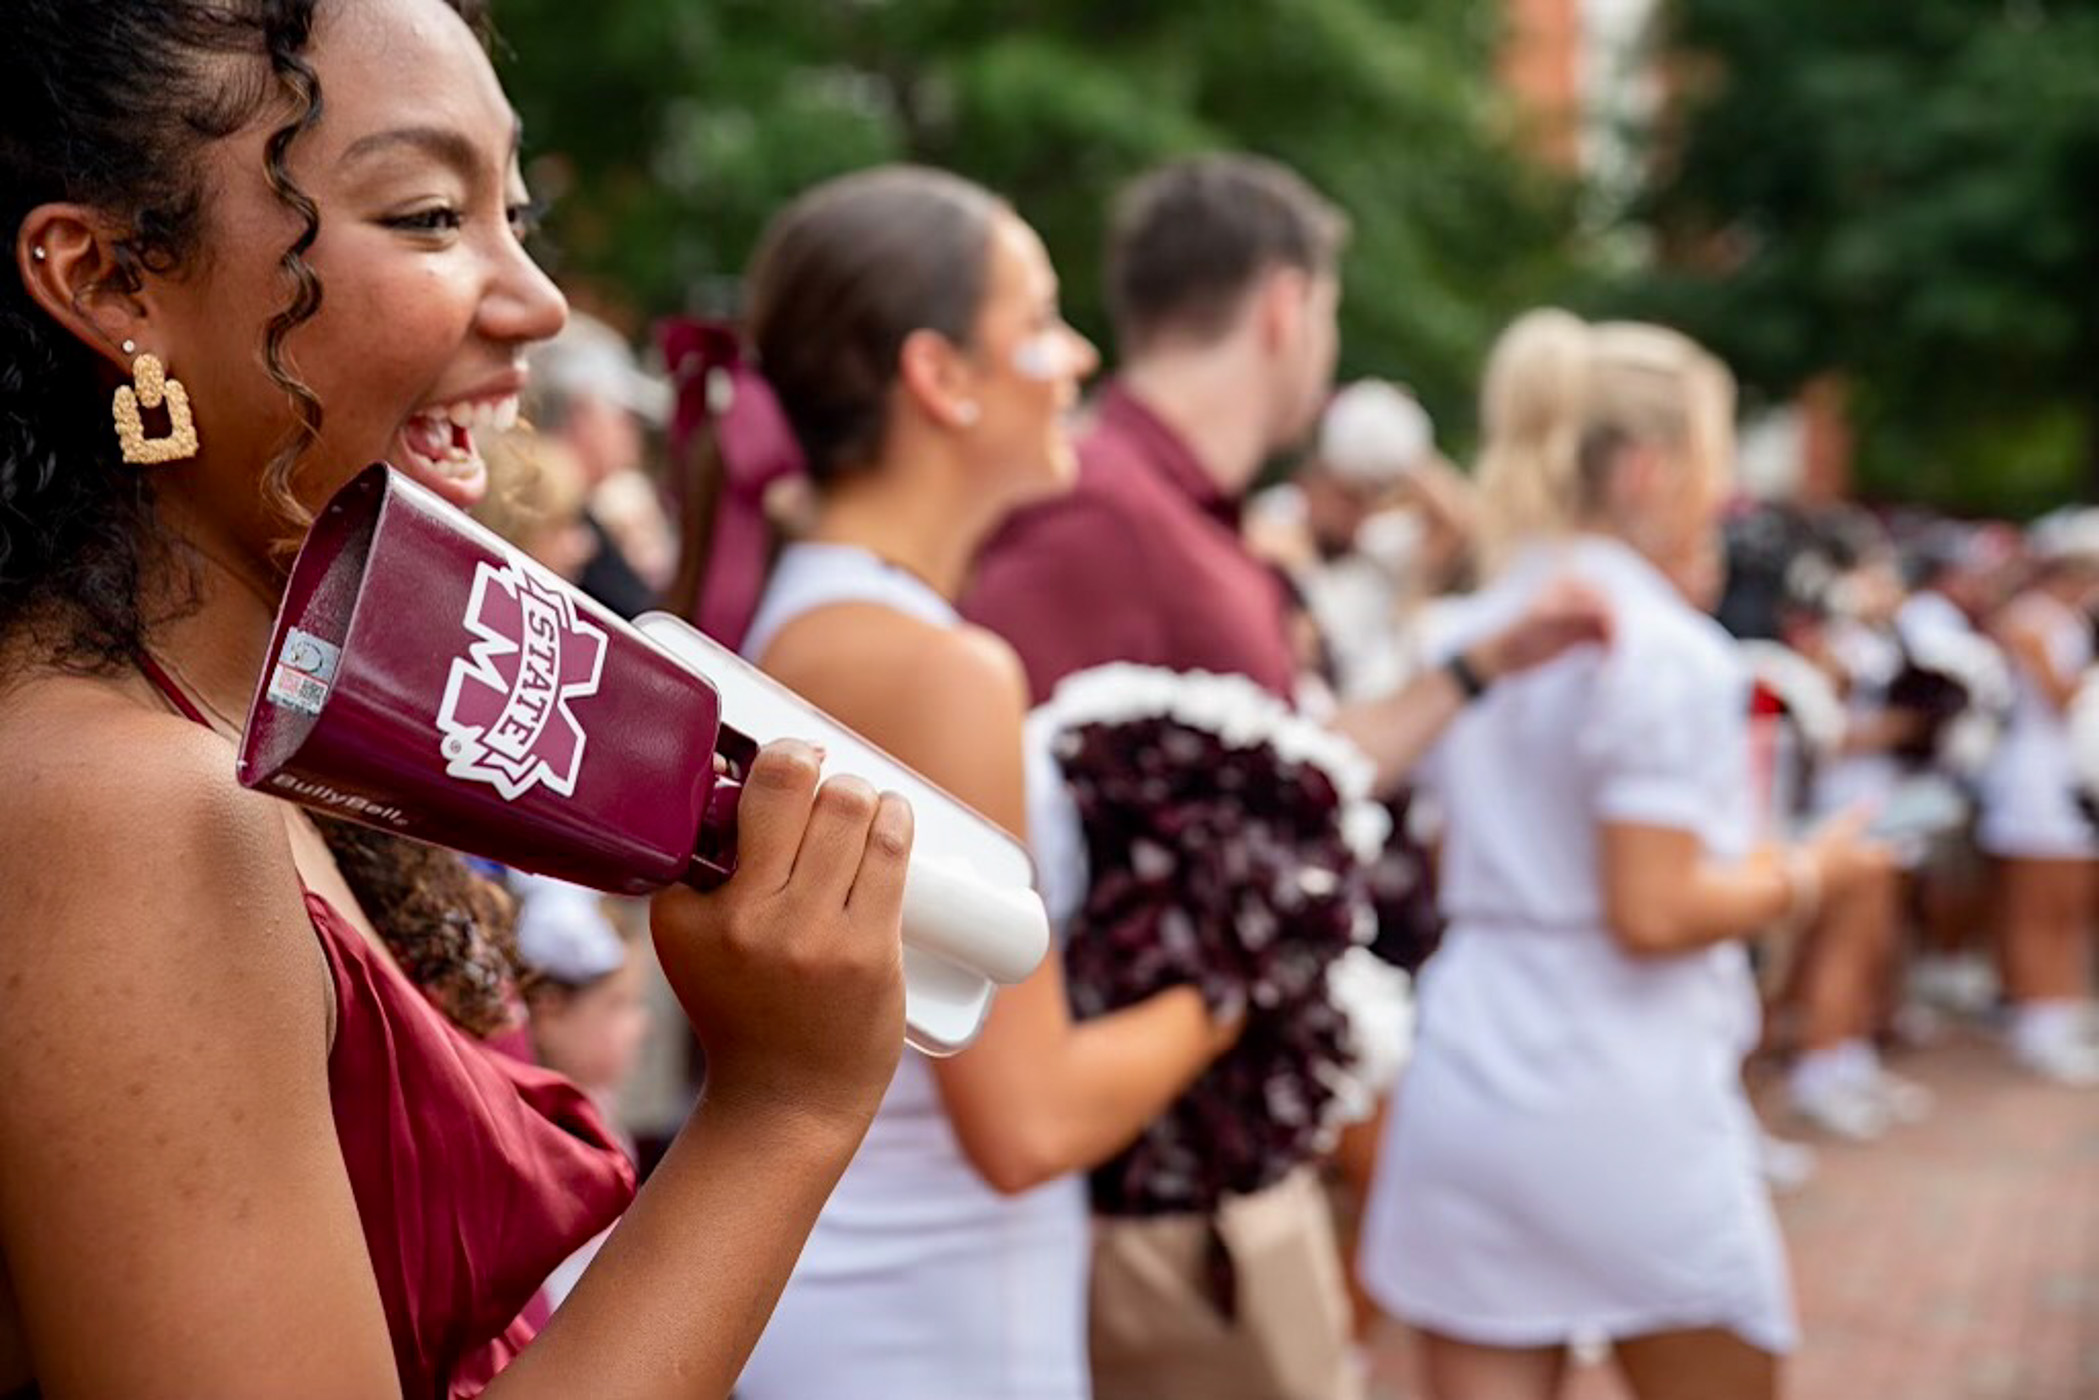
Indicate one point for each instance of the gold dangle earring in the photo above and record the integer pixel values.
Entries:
(152, 388)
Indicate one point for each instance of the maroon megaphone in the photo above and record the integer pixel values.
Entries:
(425, 677)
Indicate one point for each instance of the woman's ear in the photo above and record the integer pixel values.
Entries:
(937, 377)
(71, 264)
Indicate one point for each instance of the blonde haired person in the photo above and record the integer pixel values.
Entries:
(536, 499)
(1572, 1159)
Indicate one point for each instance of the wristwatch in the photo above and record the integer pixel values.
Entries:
(1471, 684)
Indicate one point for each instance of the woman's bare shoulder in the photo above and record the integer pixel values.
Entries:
(885, 659)
(112, 803)
(80, 753)
(950, 701)
(164, 1042)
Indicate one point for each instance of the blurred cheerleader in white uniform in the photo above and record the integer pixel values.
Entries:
(1572, 1158)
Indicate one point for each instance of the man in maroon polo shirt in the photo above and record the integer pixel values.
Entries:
(1223, 280)
(1223, 285)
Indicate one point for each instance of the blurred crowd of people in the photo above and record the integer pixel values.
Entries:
(1910, 685)
(1487, 818)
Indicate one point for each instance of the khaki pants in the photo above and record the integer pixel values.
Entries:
(1156, 1335)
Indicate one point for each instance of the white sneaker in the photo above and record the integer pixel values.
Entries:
(2071, 1062)
(1971, 986)
(1963, 984)
(1931, 979)
(1843, 1111)
(1786, 1166)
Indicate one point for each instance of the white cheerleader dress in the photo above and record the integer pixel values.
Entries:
(2029, 802)
(1571, 1157)
(1871, 657)
(920, 1281)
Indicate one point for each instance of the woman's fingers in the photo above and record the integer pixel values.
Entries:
(833, 845)
(878, 886)
(774, 812)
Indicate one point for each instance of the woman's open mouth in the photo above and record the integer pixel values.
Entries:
(437, 445)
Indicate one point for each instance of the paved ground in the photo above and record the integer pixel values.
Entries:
(1957, 1260)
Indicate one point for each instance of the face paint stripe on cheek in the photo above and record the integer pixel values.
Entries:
(1049, 354)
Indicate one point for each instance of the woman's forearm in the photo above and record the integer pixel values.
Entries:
(1399, 729)
(677, 1298)
(1732, 901)
(1124, 1070)
(1042, 1098)
(1395, 730)
(1664, 896)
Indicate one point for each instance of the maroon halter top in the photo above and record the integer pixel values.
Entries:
(475, 1173)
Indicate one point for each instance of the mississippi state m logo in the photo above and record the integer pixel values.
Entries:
(505, 718)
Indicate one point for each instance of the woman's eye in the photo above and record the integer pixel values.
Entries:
(442, 219)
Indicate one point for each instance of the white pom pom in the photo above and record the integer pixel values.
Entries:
(1810, 700)
(1378, 1001)
(1241, 715)
(1974, 663)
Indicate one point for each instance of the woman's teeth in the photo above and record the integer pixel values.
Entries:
(496, 415)
(443, 438)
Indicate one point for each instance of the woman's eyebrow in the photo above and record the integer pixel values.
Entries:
(445, 144)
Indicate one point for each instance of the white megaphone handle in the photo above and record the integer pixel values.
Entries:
(972, 918)
(951, 913)
(962, 937)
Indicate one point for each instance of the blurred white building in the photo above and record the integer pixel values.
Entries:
(1585, 71)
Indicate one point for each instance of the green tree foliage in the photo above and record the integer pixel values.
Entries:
(671, 129)
(1903, 192)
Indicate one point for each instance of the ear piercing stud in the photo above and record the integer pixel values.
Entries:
(38, 253)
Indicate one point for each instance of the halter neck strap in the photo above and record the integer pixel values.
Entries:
(165, 684)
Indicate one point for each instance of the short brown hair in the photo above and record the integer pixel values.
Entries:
(1189, 240)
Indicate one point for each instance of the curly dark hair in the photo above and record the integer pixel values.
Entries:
(105, 103)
